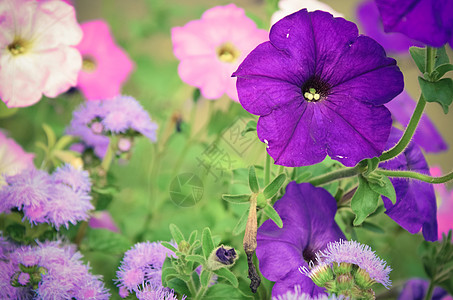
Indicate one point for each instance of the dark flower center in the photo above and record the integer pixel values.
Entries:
(309, 255)
(228, 53)
(315, 89)
(17, 47)
(88, 64)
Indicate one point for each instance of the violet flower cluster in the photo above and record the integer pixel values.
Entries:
(122, 116)
(57, 199)
(50, 270)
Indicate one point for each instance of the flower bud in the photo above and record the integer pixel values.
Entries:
(344, 282)
(97, 127)
(342, 268)
(223, 256)
(363, 279)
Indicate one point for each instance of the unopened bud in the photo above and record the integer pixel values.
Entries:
(223, 256)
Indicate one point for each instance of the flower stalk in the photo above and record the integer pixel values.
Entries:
(418, 176)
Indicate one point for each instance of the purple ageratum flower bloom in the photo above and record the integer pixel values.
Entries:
(116, 115)
(416, 288)
(77, 179)
(371, 24)
(319, 88)
(358, 254)
(308, 215)
(426, 135)
(149, 292)
(142, 266)
(427, 21)
(415, 207)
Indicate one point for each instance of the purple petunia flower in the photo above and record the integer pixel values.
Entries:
(142, 267)
(427, 21)
(371, 24)
(308, 215)
(416, 288)
(59, 199)
(95, 119)
(319, 89)
(415, 207)
(58, 273)
(426, 135)
(297, 294)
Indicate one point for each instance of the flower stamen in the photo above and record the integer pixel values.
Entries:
(88, 64)
(312, 95)
(227, 52)
(17, 47)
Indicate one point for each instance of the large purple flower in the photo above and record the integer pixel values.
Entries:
(371, 24)
(319, 88)
(426, 136)
(416, 288)
(308, 215)
(415, 206)
(427, 21)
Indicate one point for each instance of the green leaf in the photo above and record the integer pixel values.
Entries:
(196, 258)
(303, 177)
(251, 126)
(372, 164)
(273, 215)
(168, 274)
(16, 232)
(196, 95)
(51, 138)
(386, 189)
(193, 236)
(176, 234)
(207, 244)
(106, 241)
(205, 277)
(441, 57)
(237, 199)
(441, 70)
(364, 201)
(272, 188)
(228, 275)
(179, 286)
(169, 246)
(240, 225)
(196, 279)
(418, 55)
(372, 227)
(440, 91)
(253, 181)
(380, 209)
(219, 290)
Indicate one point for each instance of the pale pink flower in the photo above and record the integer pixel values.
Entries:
(444, 205)
(210, 49)
(13, 159)
(105, 65)
(36, 56)
(287, 7)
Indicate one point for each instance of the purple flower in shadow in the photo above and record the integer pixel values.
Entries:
(426, 136)
(415, 206)
(427, 21)
(319, 89)
(308, 215)
(371, 24)
(416, 288)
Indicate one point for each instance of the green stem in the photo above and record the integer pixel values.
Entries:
(336, 175)
(108, 158)
(267, 170)
(415, 175)
(429, 293)
(416, 116)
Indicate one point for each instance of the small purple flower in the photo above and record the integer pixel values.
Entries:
(119, 115)
(371, 24)
(415, 207)
(149, 292)
(426, 135)
(416, 288)
(352, 252)
(427, 21)
(142, 266)
(23, 278)
(227, 257)
(77, 179)
(308, 215)
(319, 89)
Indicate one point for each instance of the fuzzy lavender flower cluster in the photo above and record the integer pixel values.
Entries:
(50, 270)
(122, 115)
(57, 199)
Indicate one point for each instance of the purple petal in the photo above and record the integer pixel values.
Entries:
(416, 288)
(426, 136)
(308, 215)
(417, 19)
(415, 206)
(294, 278)
(371, 24)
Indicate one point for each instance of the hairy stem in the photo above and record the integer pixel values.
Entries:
(415, 175)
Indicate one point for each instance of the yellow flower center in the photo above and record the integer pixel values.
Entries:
(88, 64)
(312, 95)
(18, 46)
(228, 53)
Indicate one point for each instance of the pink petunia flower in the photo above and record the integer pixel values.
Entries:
(445, 205)
(105, 65)
(211, 48)
(13, 159)
(103, 220)
(36, 55)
